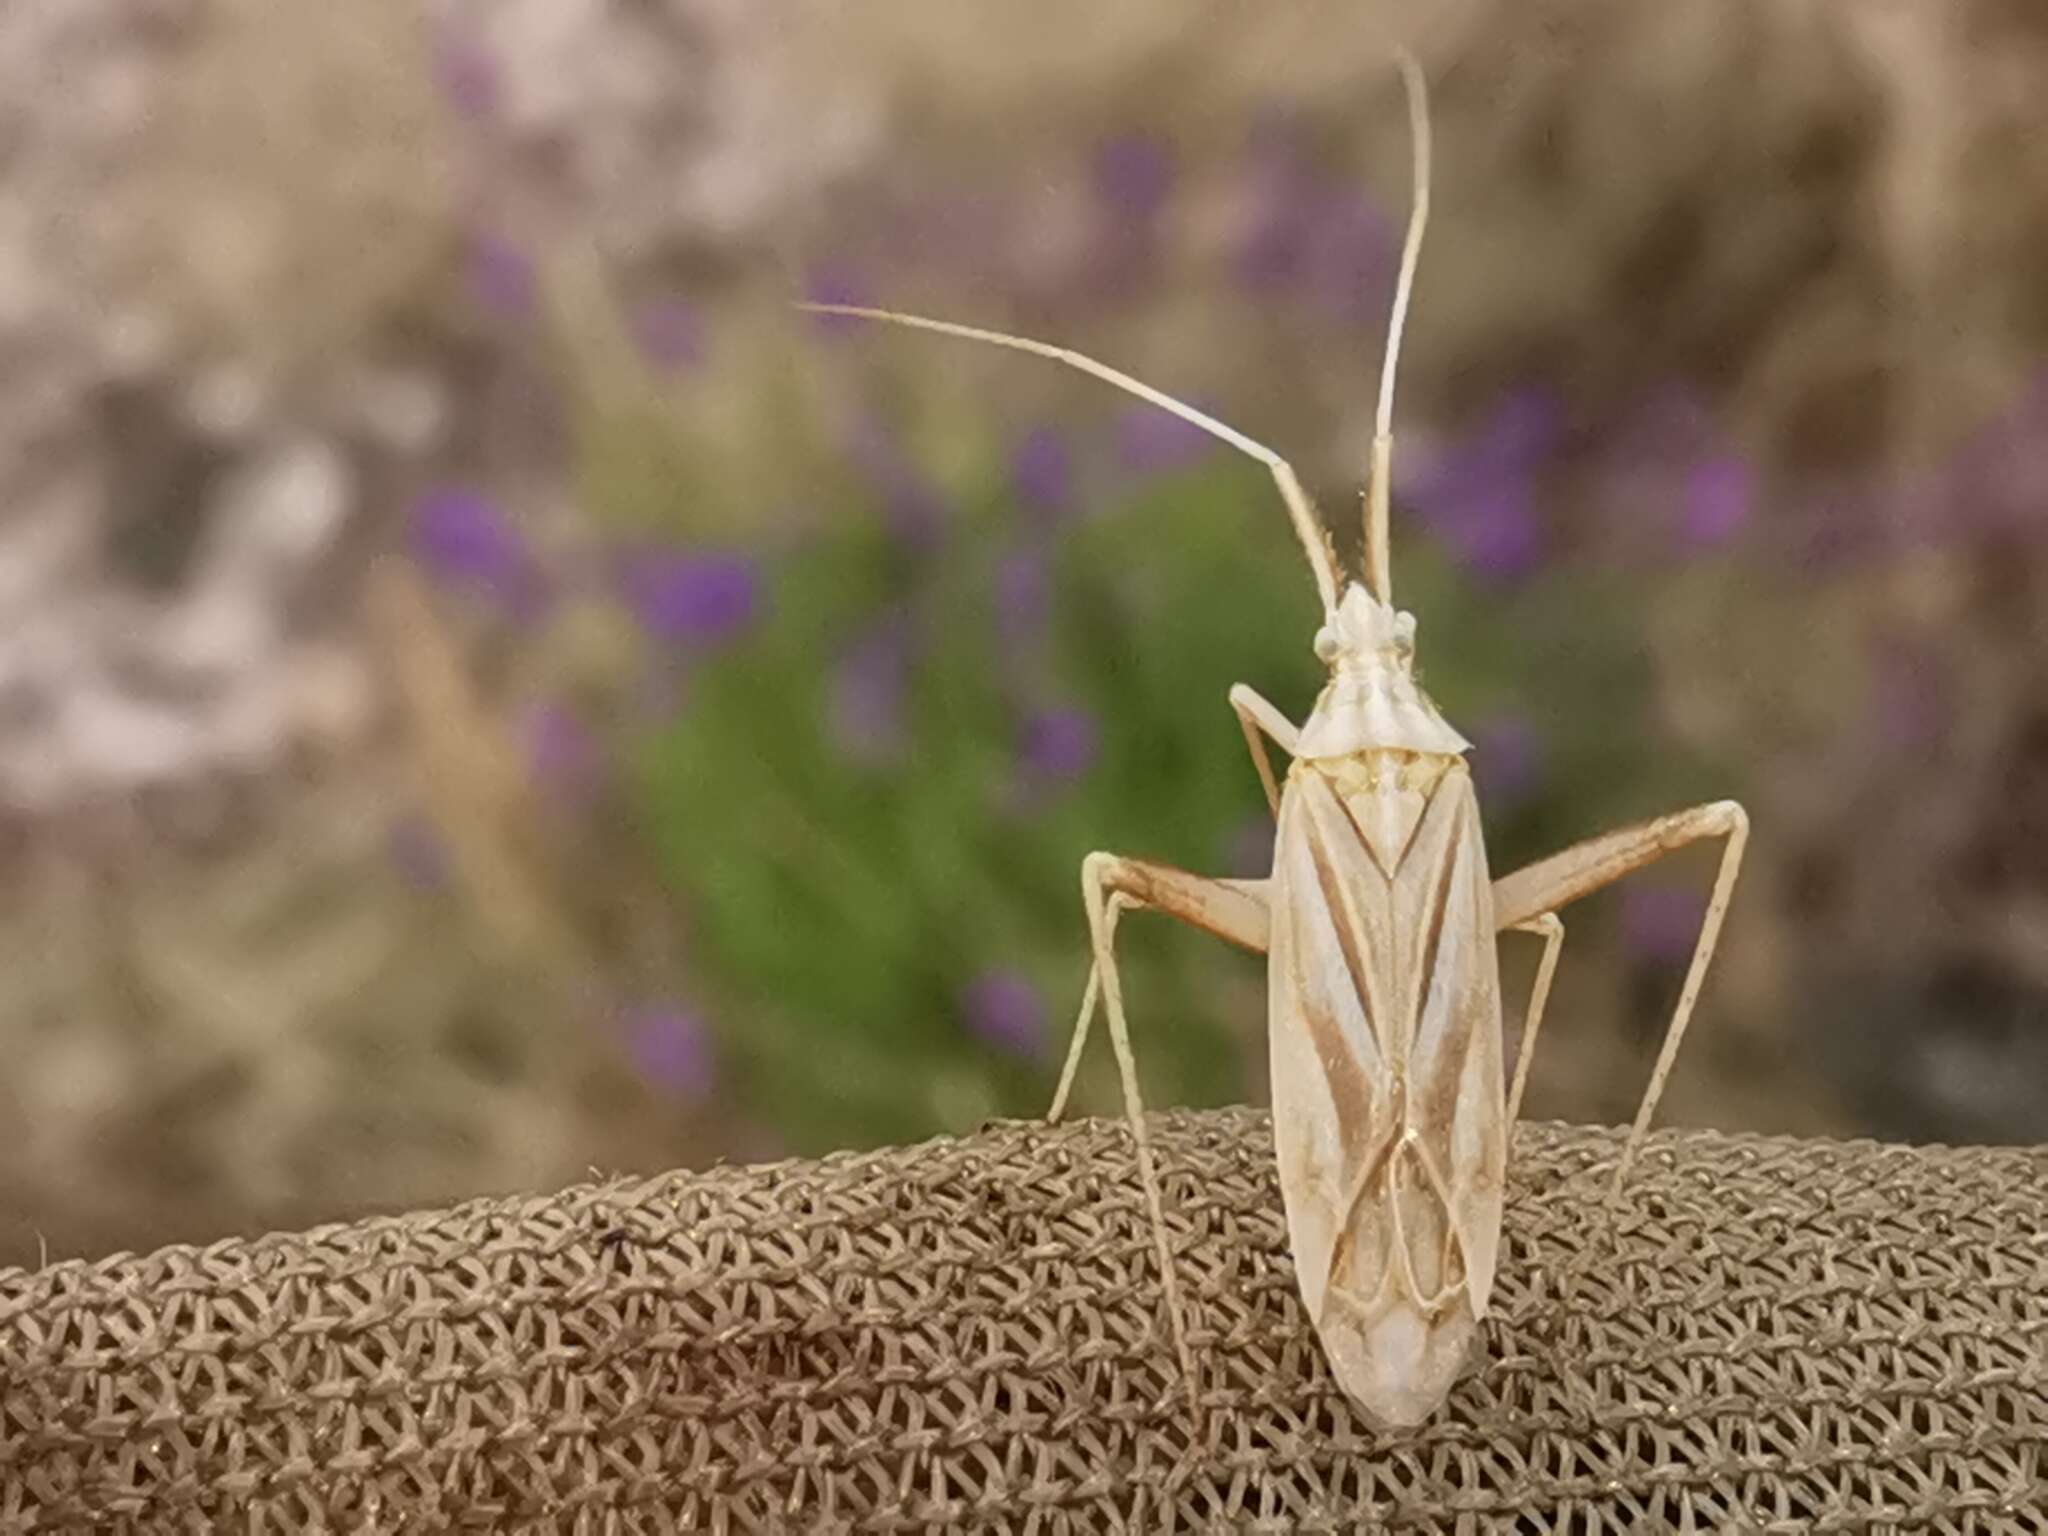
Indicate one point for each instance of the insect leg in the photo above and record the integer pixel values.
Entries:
(1551, 926)
(1231, 909)
(1256, 715)
(1119, 903)
(1578, 871)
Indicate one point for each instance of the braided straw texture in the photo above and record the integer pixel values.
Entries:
(968, 1335)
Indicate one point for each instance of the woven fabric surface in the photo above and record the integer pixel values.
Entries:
(969, 1335)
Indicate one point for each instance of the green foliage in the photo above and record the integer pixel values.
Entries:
(839, 908)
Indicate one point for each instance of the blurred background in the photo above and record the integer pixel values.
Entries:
(487, 691)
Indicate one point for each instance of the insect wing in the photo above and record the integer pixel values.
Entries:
(1388, 1107)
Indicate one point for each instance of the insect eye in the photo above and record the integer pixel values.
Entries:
(1326, 644)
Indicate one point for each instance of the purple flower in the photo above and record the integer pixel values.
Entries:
(672, 1049)
(1922, 508)
(1912, 703)
(1323, 241)
(1718, 494)
(1023, 597)
(464, 539)
(1669, 440)
(1274, 251)
(956, 229)
(418, 853)
(867, 692)
(1667, 426)
(466, 74)
(501, 276)
(1349, 258)
(1150, 441)
(1661, 923)
(1507, 760)
(697, 598)
(1134, 175)
(670, 334)
(1832, 523)
(915, 509)
(1005, 1010)
(836, 283)
(1525, 428)
(1042, 472)
(1494, 528)
(1481, 496)
(565, 758)
(1059, 744)
(1998, 479)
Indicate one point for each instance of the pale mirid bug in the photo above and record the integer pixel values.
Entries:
(1379, 922)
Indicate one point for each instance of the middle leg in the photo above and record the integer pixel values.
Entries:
(1255, 715)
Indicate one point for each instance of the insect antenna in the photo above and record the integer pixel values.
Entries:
(1315, 539)
(1378, 567)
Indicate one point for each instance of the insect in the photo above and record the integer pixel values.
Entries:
(1379, 922)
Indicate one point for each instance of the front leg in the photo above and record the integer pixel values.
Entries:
(1255, 715)
(1526, 895)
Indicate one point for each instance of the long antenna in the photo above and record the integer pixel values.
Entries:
(1313, 539)
(1378, 489)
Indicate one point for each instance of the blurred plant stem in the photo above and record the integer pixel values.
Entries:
(473, 785)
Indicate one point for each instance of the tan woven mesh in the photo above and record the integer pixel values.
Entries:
(968, 1335)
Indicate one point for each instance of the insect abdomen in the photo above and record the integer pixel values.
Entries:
(1388, 1105)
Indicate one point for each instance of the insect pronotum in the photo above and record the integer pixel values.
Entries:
(1379, 923)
